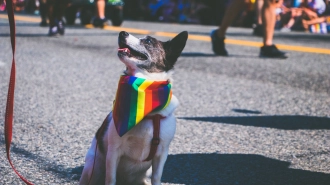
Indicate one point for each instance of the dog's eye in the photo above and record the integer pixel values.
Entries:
(147, 41)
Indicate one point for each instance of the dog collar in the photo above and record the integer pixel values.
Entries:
(136, 98)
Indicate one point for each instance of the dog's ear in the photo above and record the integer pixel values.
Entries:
(173, 49)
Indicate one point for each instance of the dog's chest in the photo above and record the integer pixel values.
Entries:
(137, 142)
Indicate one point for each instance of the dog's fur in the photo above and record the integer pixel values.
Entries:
(119, 160)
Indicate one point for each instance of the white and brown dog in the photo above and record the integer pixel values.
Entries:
(115, 160)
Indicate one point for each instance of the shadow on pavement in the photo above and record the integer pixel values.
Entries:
(217, 169)
(206, 169)
(42, 162)
(286, 122)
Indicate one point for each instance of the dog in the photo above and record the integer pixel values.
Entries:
(119, 160)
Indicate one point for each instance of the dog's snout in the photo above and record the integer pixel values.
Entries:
(123, 34)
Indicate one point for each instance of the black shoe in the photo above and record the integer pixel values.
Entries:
(43, 23)
(258, 30)
(218, 44)
(272, 52)
(53, 31)
(60, 27)
(99, 23)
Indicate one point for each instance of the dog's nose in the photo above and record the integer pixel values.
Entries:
(123, 34)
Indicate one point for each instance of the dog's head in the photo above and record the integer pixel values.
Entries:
(148, 57)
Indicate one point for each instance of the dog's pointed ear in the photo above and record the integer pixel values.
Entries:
(174, 47)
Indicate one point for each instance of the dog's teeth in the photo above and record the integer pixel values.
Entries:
(124, 50)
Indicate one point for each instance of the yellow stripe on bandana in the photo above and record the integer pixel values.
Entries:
(141, 99)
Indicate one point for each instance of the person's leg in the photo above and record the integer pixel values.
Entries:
(50, 11)
(290, 23)
(260, 4)
(100, 9)
(269, 19)
(56, 10)
(100, 19)
(306, 23)
(294, 17)
(309, 14)
(258, 29)
(231, 13)
(51, 16)
(43, 12)
(59, 10)
(218, 36)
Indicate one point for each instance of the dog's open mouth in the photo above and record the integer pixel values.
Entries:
(130, 52)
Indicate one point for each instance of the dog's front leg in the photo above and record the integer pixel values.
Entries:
(112, 161)
(158, 163)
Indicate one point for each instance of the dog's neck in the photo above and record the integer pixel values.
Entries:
(174, 103)
(161, 76)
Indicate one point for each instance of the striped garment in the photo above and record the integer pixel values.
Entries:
(318, 28)
(136, 98)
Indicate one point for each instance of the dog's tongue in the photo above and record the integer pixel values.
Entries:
(125, 50)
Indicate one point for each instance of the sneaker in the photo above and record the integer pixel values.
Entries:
(53, 31)
(285, 30)
(60, 27)
(218, 44)
(272, 52)
(99, 23)
(258, 30)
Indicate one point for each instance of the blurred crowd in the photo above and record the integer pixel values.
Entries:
(182, 11)
(303, 15)
(308, 15)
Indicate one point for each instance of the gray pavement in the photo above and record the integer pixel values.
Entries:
(242, 119)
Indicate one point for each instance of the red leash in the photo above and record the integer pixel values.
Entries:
(11, 90)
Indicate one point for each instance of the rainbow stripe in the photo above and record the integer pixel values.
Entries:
(136, 98)
(318, 28)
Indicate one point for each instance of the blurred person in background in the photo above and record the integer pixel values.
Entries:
(2, 5)
(169, 11)
(313, 9)
(307, 13)
(324, 17)
(100, 19)
(18, 5)
(56, 9)
(268, 15)
(43, 12)
(155, 9)
(258, 29)
(289, 16)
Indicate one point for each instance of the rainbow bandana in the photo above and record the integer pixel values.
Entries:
(137, 97)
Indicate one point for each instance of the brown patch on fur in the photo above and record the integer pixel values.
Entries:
(101, 131)
(163, 55)
(156, 55)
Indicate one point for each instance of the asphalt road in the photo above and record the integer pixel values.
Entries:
(242, 120)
